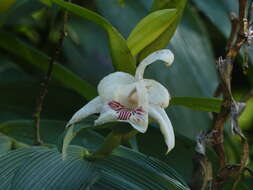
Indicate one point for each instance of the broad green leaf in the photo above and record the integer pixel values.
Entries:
(41, 61)
(9, 164)
(175, 158)
(49, 171)
(117, 171)
(6, 4)
(141, 159)
(37, 160)
(150, 28)
(121, 55)
(200, 104)
(135, 162)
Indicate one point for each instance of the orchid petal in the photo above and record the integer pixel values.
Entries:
(157, 93)
(114, 111)
(91, 107)
(164, 55)
(106, 115)
(166, 128)
(110, 86)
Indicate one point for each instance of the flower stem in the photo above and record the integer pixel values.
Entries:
(111, 142)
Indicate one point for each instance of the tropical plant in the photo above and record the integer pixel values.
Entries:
(53, 54)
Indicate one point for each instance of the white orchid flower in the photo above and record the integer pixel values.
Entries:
(132, 99)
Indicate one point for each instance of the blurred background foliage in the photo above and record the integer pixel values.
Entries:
(29, 32)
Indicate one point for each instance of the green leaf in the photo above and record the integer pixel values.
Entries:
(49, 171)
(40, 61)
(23, 130)
(163, 39)
(9, 164)
(150, 28)
(176, 158)
(121, 172)
(121, 55)
(155, 164)
(200, 104)
(117, 171)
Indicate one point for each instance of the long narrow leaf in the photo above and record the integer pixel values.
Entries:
(150, 28)
(200, 104)
(121, 56)
(163, 38)
(40, 61)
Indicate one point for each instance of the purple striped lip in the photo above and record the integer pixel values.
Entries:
(125, 113)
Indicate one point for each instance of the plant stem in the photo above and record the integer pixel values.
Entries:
(225, 68)
(230, 107)
(46, 81)
(113, 140)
